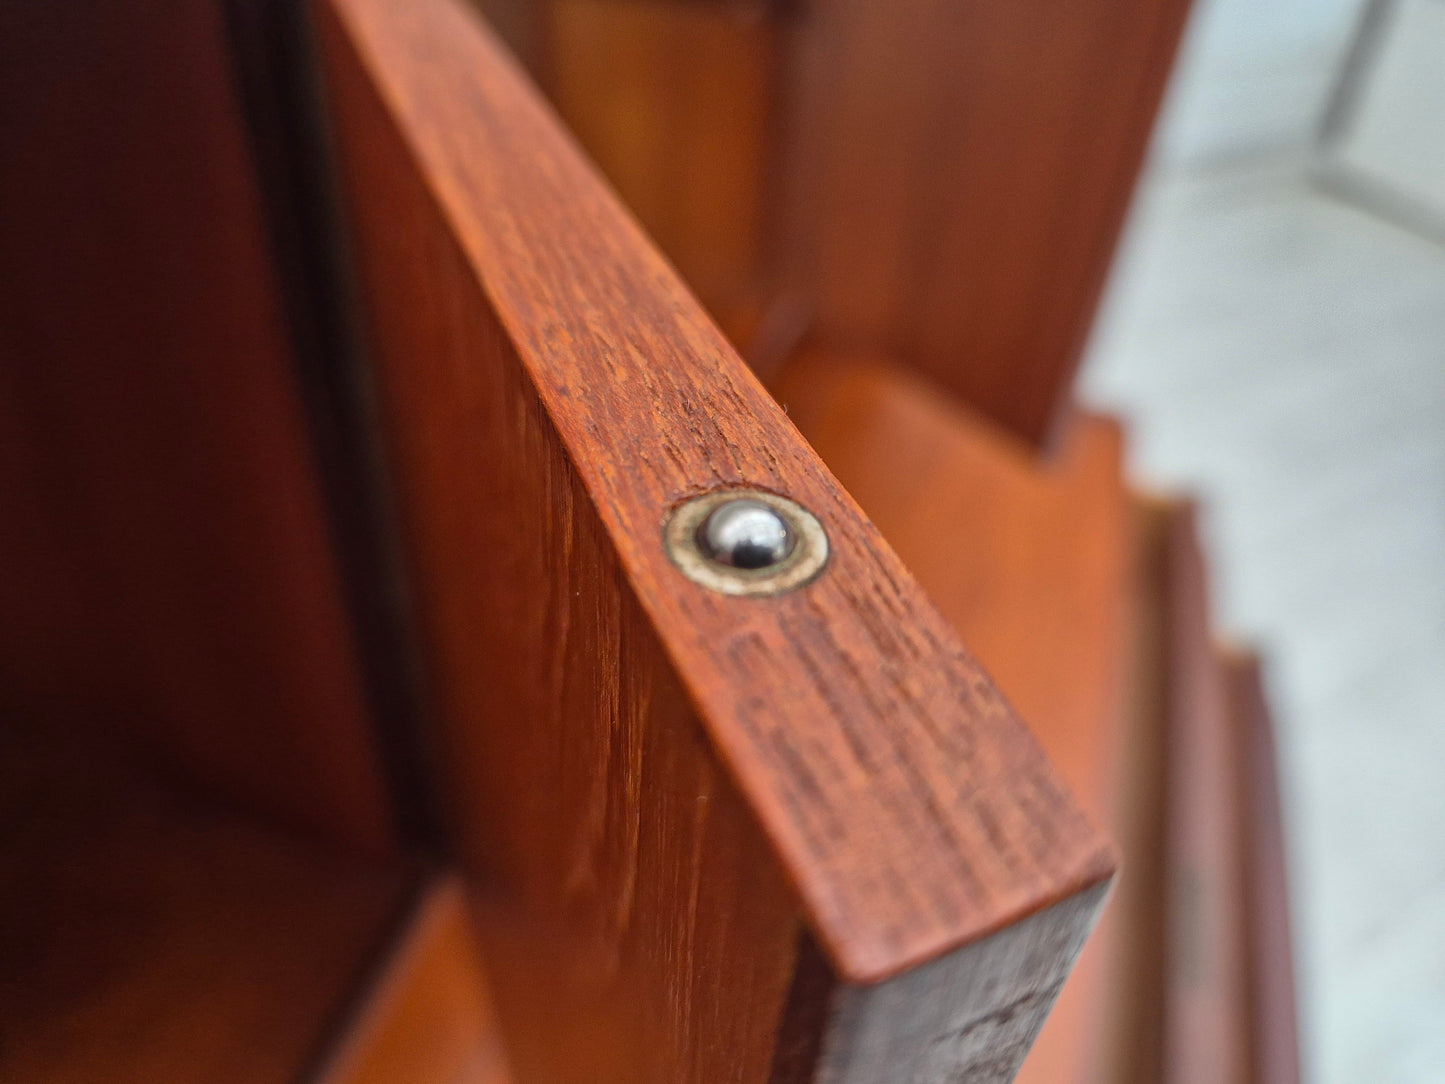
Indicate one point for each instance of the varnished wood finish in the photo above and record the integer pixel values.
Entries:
(164, 556)
(956, 177)
(679, 105)
(147, 935)
(1032, 562)
(1029, 560)
(940, 182)
(676, 104)
(641, 769)
(427, 1016)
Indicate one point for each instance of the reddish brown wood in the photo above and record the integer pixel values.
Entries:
(679, 106)
(1028, 560)
(165, 564)
(940, 182)
(676, 105)
(427, 1016)
(956, 178)
(146, 935)
(639, 768)
(1034, 562)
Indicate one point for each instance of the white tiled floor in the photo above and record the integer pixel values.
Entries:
(1284, 354)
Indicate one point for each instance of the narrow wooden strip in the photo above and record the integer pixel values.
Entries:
(1273, 1019)
(1029, 559)
(1205, 1017)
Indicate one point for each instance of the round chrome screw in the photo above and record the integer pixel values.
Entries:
(746, 542)
(744, 533)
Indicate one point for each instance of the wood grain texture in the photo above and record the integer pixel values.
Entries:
(1206, 1001)
(677, 106)
(1032, 562)
(1028, 559)
(149, 936)
(426, 1017)
(164, 553)
(936, 181)
(642, 769)
(955, 179)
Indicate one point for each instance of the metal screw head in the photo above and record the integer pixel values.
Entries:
(745, 542)
(744, 533)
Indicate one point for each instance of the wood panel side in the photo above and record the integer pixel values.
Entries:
(165, 558)
(652, 781)
(954, 179)
(147, 935)
(676, 104)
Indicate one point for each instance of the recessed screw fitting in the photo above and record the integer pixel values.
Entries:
(746, 542)
(745, 533)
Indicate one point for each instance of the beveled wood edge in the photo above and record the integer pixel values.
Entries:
(1034, 852)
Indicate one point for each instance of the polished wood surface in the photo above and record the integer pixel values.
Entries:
(679, 106)
(957, 176)
(939, 182)
(148, 934)
(164, 552)
(1032, 562)
(645, 773)
(1027, 559)
(676, 104)
(426, 1017)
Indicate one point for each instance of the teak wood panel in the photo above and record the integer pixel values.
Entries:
(955, 178)
(676, 104)
(651, 782)
(1129, 1045)
(149, 935)
(937, 181)
(1031, 560)
(1027, 558)
(165, 558)
(426, 1017)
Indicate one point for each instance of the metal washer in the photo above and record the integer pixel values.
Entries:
(802, 564)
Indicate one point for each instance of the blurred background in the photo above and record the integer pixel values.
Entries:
(1274, 328)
